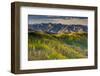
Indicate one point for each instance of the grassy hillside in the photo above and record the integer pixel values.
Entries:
(43, 46)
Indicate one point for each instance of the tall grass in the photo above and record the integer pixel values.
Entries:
(43, 46)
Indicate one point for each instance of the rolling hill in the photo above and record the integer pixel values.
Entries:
(64, 45)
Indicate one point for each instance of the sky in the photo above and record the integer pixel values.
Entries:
(37, 19)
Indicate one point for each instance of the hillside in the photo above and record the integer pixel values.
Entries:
(45, 46)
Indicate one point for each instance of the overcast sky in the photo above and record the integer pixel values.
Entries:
(37, 19)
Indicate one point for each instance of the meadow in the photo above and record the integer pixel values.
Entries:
(44, 46)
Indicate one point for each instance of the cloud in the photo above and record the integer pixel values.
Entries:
(37, 19)
(73, 21)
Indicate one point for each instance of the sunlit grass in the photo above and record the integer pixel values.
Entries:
(43, 46)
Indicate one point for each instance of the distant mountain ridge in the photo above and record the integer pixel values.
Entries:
(53, 28)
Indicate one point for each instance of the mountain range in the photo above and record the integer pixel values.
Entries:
(54, 28)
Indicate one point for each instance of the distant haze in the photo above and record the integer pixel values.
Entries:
(38, 19)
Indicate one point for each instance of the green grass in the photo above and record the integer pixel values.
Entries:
(43, 46)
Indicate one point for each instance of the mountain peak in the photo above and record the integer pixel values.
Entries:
(57, 28)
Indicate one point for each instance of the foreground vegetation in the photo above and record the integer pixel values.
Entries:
(43, 46)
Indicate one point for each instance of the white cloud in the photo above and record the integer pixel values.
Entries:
(63, 21)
